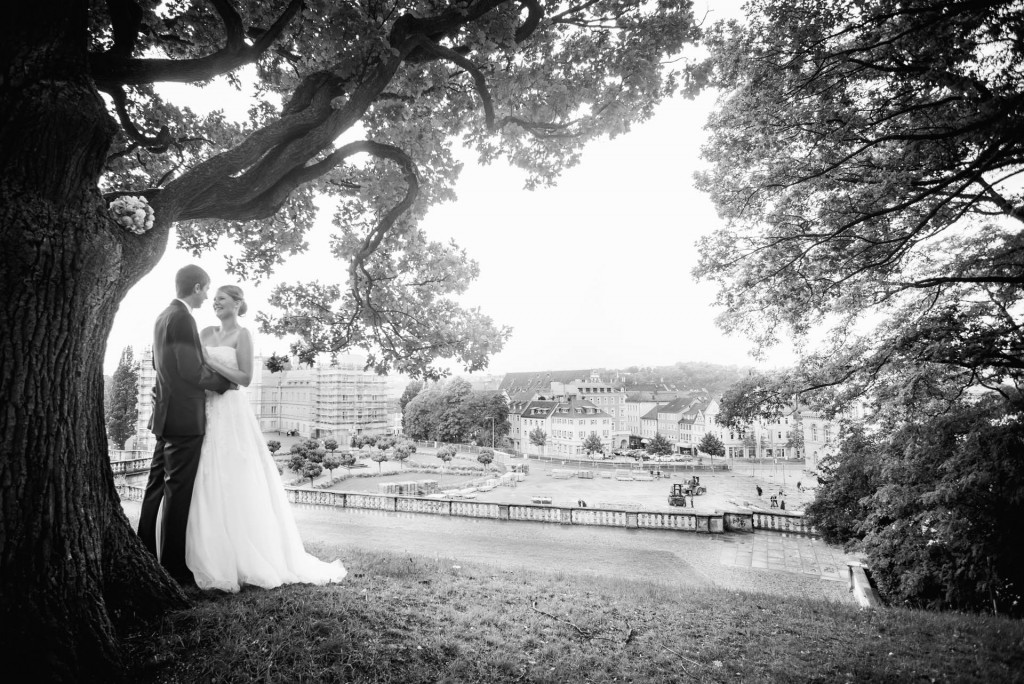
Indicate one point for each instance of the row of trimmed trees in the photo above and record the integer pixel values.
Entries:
(311, 458)
(658, 446)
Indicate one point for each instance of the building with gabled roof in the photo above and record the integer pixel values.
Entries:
(565, 423)
(683, 421)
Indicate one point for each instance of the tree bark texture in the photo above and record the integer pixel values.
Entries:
(71, 568)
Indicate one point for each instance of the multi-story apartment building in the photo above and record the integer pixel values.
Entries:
(683, 421)
(608, 397)
(566, 424)
(802, 434)
(331, 399)
(328, 400)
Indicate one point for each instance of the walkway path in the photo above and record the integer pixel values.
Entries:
(774, 563)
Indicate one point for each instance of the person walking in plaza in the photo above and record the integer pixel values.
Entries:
(178, 422)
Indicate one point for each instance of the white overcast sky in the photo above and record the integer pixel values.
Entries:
(594, 273)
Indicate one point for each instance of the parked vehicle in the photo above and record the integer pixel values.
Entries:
(681, 490)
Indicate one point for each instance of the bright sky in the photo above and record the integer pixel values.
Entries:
(594, 273)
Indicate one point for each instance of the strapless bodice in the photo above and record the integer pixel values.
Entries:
(225, 355)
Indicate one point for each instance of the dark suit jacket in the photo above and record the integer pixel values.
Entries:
(179, 406)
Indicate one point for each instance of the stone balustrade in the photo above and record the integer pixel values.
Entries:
(708, 523)
(133, 466)
(781, 522)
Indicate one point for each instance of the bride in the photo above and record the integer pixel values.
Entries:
(240, 526)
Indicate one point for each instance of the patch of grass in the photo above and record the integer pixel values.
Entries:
(398, 618)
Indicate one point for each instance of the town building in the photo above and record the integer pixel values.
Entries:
(336, 399)
(565, 424)
(333, 398)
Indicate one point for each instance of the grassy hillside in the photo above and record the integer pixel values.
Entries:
(411, 619)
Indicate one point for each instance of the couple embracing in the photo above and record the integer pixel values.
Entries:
(215, 512)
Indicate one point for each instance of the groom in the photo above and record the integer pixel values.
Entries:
(178, 421)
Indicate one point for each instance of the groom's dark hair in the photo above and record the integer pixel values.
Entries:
(188, 277)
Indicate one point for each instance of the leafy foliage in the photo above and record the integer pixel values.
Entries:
(122, 402)
(538, 437)
(846, 480)
(379, 456)
(756, 397)
(932, 499)
(410, 391)
(592, 444)
(660, 446)
(866, 158)
(485, 457)
(446, 454)
(402, 451)
(307, 458)
(273, 446)
(710, 444)
(359, 441)
(331, 462)
(453, 412)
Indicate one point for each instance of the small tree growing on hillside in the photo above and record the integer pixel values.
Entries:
(445, 453)
(660, 446)
(486, 456)
(538, 438)
(273, 446)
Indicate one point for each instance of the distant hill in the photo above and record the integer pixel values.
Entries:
(713, 377)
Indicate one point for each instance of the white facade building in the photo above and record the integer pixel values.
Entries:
(328, 400)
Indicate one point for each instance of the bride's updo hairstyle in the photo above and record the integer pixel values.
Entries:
(235, 293)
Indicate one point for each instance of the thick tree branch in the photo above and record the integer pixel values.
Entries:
(125, 21)
(157, 143)
(430, 47)
(112, 70)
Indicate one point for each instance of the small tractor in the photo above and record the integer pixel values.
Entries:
(681, 490)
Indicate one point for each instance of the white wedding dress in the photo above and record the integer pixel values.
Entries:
(240, 525)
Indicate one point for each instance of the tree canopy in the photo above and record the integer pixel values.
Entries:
(867, 159)
(362, 105)
(927, 498)
(359, 104)
(660, 445)
(454, 412)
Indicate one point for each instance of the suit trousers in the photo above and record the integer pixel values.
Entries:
(171, 479)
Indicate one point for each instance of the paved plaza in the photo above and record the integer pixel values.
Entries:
(763, 561)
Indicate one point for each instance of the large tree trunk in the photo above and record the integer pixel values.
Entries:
(71, 568)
